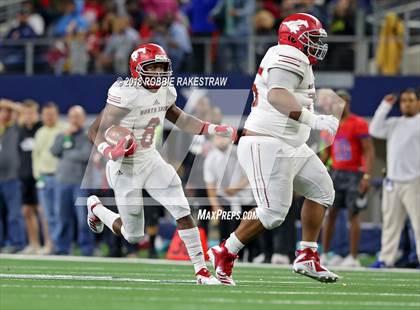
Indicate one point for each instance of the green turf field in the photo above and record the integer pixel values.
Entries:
(138, 284)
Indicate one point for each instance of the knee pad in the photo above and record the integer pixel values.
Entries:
(327, 196)
(322, 192)
(270, 218)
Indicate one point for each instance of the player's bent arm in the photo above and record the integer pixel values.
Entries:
(110, 115)
(279, 82)
(195, 126)
(285, 102)
(184, 121)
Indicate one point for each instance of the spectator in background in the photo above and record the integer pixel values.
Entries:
(159, 8)
(10, 193)
(23, 30)
(178, 42)
(135, 12)
(352, 156)
(227, 184)
(401, 194)
(199, 105)
(72, 18)
(13, 57)
(44, 166)
(288, 7)
(93, 10)
(119, 46)
(198, 12)
(93, 45)
(310, 7)
(342, 23)
(30, 123)
(264, 26)
(233, 19)
(35, 20)
(72, 148)
(78, 52)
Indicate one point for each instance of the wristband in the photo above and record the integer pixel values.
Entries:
(103, 148)
(208, 129)
(307, 117)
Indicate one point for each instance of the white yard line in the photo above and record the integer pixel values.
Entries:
(175, 263)
(12, 276)
(85, 278)
(84, 287)
(235, 291)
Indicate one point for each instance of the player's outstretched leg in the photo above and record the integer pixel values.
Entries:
(224, 255)
(99, 215)
(190, 235)
(307, 260)
(222, 261)
(307, 263)
(94, 223)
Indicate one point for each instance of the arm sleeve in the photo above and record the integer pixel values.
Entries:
(57, 147)
(282, 78)
(82, 153)
(121, 96)
(288, 62)
(378, 127)
(172, 95)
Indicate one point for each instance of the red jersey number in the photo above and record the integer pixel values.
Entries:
(149, 132)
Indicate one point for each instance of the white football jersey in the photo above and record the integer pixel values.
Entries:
(264, 118)
(147, 111)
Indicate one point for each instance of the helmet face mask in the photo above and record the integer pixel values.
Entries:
(313, 43)
(143, 70)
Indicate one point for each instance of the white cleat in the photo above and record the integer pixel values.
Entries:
(94, 223)
(307, 263)
(204, 277)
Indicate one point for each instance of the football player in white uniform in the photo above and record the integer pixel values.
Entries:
(273, 151)
(135, 164)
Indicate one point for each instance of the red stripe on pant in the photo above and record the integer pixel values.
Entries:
(262, 178)
(255, 174)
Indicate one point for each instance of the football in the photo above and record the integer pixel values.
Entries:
(114, 133)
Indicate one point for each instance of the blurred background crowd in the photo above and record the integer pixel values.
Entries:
(44, 150)
(92, 36)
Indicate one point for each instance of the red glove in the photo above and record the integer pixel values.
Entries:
(226, 131)
(119, 150)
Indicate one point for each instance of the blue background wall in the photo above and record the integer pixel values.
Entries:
(90, 91)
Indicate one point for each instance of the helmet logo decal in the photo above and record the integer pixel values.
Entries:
(135, 54)
(294, 25)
